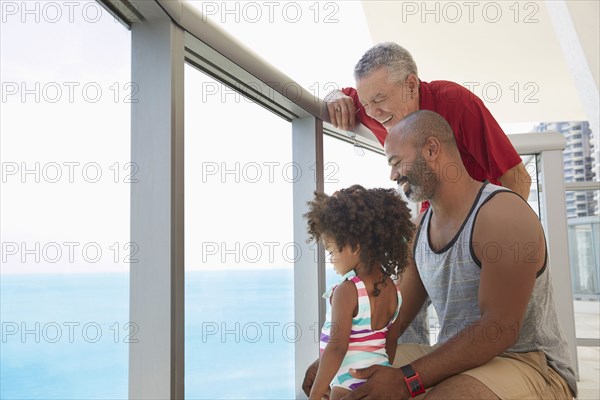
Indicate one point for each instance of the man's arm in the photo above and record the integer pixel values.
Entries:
(507, 279)
(341, 109)
(309, 377)
(518, 180)
(478, 133)
(413, 297)
(412, 290)
(345, 110)
(391, 343)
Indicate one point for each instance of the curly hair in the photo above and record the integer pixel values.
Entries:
(376, 219)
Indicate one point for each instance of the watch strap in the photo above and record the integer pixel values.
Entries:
(408, 371)
(412, 380)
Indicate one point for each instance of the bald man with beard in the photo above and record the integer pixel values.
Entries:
(499, 333)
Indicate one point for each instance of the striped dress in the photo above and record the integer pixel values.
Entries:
(366, 346)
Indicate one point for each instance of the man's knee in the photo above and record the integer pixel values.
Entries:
(461, 387)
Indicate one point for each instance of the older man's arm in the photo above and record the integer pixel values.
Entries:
(341, 109)
(518, 180)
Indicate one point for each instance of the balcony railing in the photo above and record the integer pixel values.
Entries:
(165, 35)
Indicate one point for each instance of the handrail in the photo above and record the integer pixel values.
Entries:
(214, 36)
(192, 20)
(536, 142)
(582, 186)
(195, 23)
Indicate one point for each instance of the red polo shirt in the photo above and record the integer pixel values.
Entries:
(484, 148)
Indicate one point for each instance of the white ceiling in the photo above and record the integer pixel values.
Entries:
(489, 44)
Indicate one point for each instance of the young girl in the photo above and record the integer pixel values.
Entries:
(366, 233)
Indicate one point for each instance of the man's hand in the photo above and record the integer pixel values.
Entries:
(309, 377)
(341, 110)
(383, 383)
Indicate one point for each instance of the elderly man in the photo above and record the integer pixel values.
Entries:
(388, 89)
(480, 256)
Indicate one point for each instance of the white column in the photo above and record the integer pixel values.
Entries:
(309, 266)
(554, 219)
(156, 282)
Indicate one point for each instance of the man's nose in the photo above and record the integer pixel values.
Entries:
(373, 111)
(377, 111)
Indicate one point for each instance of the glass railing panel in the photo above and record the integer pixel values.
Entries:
(584, 248)
(300, 27)
(239, 250)
(345, 165)
(531, 166)
(66, 176)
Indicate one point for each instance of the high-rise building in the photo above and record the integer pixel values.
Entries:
(579, 165)
(595, 142)
(580, 159)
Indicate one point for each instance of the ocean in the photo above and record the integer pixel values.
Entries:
(65, 336)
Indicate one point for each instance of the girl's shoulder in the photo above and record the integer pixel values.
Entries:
(348, 285)
(345, 296)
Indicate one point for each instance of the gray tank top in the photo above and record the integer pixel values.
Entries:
(451, 278)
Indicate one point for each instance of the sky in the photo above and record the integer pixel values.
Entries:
(65, 119)
(65, 149)
(66, 94)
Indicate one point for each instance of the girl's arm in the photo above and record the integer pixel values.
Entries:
(343, 304)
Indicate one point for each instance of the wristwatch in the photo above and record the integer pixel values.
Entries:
(413, 381)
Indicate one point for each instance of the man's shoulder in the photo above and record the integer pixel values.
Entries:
(448, 93)
(504, 209)
(497, 198)
(442, 86)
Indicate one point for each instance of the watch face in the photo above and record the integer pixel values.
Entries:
(413, 381)
(415, 386)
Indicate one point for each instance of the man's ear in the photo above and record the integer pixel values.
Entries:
(413, 83)
(432, 148)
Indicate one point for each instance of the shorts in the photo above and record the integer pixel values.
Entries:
(509, 375)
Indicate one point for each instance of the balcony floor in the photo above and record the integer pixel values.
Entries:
(587, 323)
